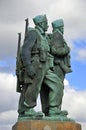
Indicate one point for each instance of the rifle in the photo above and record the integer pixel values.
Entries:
(26, 26)
(18, 68)
(18, 87)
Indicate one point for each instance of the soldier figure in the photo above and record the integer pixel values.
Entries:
(39, 72)
(60, 50)
(37, 66)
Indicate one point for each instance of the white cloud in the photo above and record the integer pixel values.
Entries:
(8, 92)
(8, 101)
(81, 54)
(73, 14)
(12, 22)
(8, 119)
(73, 101)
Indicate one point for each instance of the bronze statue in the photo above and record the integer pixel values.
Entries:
(60, 49)
(61, 52)
(37, 74)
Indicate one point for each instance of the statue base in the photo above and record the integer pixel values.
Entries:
(46, 125)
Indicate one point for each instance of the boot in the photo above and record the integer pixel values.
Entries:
(55, 112)
(32, 113)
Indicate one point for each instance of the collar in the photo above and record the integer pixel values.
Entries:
(57, 30)
(40, 30)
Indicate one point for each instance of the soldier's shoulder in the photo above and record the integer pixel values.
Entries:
(31, 30)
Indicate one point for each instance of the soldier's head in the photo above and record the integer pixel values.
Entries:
(41, 20)
(58, 24)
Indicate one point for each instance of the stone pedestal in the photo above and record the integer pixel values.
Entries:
(45, 125)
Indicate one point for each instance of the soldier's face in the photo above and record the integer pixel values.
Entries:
(44, 25)
(62, 29)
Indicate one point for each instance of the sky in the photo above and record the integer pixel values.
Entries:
(12, 21)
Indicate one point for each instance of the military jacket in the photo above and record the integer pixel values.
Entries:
(35, 50)
(58, 45)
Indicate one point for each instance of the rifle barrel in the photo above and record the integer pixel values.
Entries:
(26, 25)
(19, 43)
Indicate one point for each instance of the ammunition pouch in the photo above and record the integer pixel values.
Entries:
(43, 56)
(50, 61)
(21, 75)
(34, 52)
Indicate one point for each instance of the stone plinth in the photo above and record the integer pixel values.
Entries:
(45, 125)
